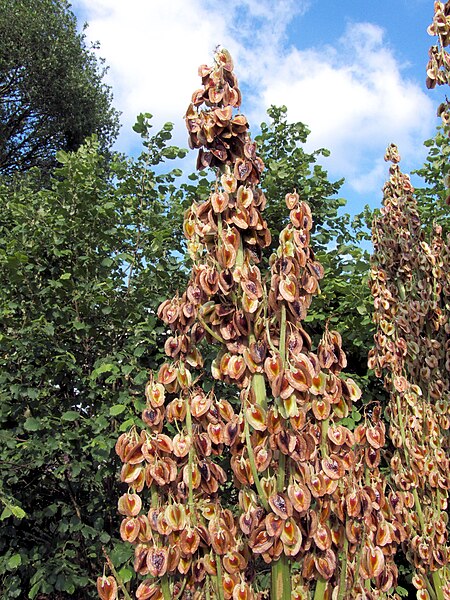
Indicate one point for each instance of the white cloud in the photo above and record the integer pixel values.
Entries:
(352, 94)
(356, 102)
(153, 48)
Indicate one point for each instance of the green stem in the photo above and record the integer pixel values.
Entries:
(282, 346)
(281, 569)
(281, 579)
(437, 584)
(323, 441)
(321, 587)
(190, 462)
(219, 577)
(343, 574)
(251, 457)
(281, 477)
(212, 333)
(165, 588)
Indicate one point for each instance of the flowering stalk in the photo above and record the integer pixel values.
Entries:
(310, 490)
(411, 314)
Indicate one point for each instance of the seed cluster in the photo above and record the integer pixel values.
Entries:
(438, 68)
(410, 285)
(310, 490)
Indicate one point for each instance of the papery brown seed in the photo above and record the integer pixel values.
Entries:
(189, 540)
(321, 408)
(129, 529)
(256, 417)
(200, 404)
(229, 182)
(273, 366)
(373, 561)
(372, 457)
(337, 434)
(291, 200)
(155, 393)
(163, 443)
(236, 367)
(107, 588)
(353, 504)
(167, 373)
(291, 537)
(299, 378)
(322, 537)
(333, 467)
(274, 524)
(300, 496)
(326, 564)
(260, 541)
(181, 445)
(129, 473)
(175, 515)
(140, 559)
(153, 417)
(317, 485)
(184, 565)
(376, 435)
(354, 531)
(263, 458)
(242, 591)
(148, 590)
(234, 562)
(229, 582)
(220, 537)
(157, 559)
(162, 525)
(281, 505)
(129, 505)
(241, 469)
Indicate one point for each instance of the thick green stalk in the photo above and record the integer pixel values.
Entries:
(165, 588)
(437, 584)
(343, 575)
(190, 463)
(281, 579)
(321, 587)
(219, 577)
(281, 569)
(251, 458)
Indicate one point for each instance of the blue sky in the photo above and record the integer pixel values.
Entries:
(353, 71)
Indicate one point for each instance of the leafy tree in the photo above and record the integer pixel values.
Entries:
(434, 196)
(51, 91)
(85, 261)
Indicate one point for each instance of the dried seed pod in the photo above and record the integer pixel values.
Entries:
(107, 588)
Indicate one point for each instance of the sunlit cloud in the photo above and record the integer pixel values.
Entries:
(352, 94)
(355, 100)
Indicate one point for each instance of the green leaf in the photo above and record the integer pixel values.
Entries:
(14, 562)
(117, 409)
(125, 574)
(70, 415)
(6, 512)
(18, 512)
(32, 424)
(34, 590)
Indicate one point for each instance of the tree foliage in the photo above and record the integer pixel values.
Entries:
(51, 91)
(86, 260)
